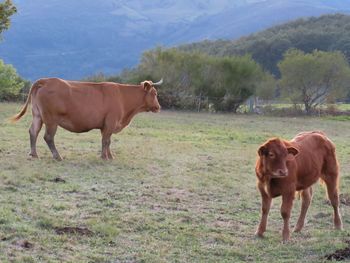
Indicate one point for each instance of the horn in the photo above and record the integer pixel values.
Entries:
(158, 83)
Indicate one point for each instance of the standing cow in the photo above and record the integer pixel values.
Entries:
(83, 106)
(284, 167)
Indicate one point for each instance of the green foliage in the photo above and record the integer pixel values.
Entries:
(314, 78)
(100, 77)
(237, 80)
(326, 33)
(10, 83)
(195, 80)
(7, 9)
(266, 87)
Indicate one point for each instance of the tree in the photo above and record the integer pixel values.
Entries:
(266, 88)
(10, 83)
(236, 79)
(7, 9)
(194, 80)
(314, 78)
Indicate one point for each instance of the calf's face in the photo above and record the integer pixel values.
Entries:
(274, 155)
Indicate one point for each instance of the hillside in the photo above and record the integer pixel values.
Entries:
(73, 39)
(327, 33)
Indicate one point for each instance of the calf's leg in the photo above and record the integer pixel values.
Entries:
(49, 139)
(265, 208)
(333, 197)
(330, 175)
(286, 207)
(306, 196)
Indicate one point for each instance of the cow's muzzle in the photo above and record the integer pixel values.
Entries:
(155, 109)
(280, 173)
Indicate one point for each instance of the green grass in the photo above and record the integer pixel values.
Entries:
(181, 189)
(337, 106)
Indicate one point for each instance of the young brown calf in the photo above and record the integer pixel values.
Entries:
(284, 167)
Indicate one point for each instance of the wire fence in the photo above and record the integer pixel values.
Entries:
(253, 104)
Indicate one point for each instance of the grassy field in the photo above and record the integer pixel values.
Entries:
(337, 107)
(181, 189)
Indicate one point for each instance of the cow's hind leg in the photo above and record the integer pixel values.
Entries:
(331, 177)
(34, 130)
(333, 196)
(49, 139)
(106, 142)
(306, 196)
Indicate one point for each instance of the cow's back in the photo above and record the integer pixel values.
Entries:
(316, 151)
(75, 106)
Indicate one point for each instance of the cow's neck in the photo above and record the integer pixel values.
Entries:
(134, 102)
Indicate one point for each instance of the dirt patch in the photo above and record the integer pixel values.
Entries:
(177, 195)
(340, 254)
(23, 244)
(321, 215)
(345, 199)
(58, 180)
(73, 230)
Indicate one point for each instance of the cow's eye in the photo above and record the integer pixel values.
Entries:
(271, 155)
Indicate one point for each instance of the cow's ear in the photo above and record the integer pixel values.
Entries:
(147, 86)
(292, 150)
(263, 150)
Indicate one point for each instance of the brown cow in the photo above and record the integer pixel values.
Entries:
(83, 106)
(284, 167)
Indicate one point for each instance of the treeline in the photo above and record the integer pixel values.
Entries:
(195, 81)
(326, 33)
(308, 60)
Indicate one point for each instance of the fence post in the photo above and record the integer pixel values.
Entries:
(199, 102)
(251, 104)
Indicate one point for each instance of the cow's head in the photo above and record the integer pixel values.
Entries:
(274, 155)
(151, 99)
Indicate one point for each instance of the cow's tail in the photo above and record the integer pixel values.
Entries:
(34, 87)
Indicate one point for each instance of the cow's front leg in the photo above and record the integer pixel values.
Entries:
(286, 207)
(265, 208)
(109, 153)
(106, 142)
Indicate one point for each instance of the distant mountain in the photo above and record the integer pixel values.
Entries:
(73, 39)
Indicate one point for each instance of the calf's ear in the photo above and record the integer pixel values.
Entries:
(147, 86)
(292, 150)
(263, 150)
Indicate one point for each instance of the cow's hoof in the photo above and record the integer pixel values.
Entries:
(297, 229)
(285, 241)
(338, 227)
(259, 235)
(58, 158)
(33, 156)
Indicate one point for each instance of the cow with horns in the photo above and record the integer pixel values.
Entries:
(83, 106)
